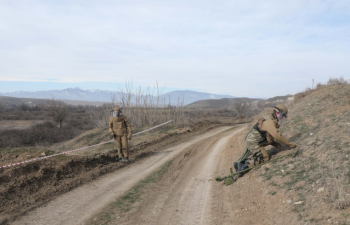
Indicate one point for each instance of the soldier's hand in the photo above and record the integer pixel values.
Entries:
(129, 136)
(113, 135)
(292, 145)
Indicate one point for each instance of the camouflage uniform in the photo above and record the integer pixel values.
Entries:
(120, 127)
(265, 132)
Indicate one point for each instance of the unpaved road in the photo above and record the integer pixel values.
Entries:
(77, 206)
(187, 193)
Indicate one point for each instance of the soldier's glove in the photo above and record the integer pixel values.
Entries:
(292, 145)
(113, 135)
(129, 136)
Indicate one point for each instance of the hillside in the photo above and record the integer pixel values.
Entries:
(219, 103)
(317, 182)
(229, 102)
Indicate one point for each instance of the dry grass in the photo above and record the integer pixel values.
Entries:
(339, 191)
(330, 82)
(318, 123)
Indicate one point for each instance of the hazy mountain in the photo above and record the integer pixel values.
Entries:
(77, 94)
(191, 96)
(65, 94)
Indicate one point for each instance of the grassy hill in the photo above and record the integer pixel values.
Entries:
(319, 178)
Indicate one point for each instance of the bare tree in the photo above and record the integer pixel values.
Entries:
(242, 108)
(148, 107)
(58, 111)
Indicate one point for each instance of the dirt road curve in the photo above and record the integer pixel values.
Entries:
(190, 195)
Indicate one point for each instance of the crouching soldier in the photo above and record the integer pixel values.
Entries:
(265, 132)
(120, 129)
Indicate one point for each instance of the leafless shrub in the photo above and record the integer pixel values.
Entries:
(41, 134)
(307, 91)
(301, 95)
(58, 111)
(340, 80)
(146, 107)
(242, 108)
(101, 114)
(319, 86)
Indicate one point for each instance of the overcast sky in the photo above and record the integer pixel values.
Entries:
(241, 48)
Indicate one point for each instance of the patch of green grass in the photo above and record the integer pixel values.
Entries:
(294, 178)
(125, 202)
(299, 188)
(20, 150)
(296, 119)
(274, 184)
(272, 192)
(346, 215)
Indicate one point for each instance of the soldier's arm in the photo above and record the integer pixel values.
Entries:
(128, 126)
(269, 127)
(110, 124)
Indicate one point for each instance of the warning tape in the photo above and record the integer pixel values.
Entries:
(78, 149)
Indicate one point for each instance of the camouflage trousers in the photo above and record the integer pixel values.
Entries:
(254, 154)
(122, 146)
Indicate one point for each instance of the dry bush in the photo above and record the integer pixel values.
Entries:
(58, 111)
(100, 115)
(339, 189)
(307, 91)
(242, 108)
(46, 133)
(41, 134)
(303, 94)
(146, 107)
(334, 81)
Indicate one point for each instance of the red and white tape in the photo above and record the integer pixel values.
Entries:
(78, 149)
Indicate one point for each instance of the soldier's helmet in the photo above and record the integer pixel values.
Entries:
(281, 109)
(117, 109)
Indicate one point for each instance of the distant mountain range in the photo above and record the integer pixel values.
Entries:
(77, 94)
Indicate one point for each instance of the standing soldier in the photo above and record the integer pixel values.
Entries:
(265, 132)
(119, 128)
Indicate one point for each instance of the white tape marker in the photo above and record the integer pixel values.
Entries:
(78, 149)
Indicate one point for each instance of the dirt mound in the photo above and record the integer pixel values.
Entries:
(28, 186)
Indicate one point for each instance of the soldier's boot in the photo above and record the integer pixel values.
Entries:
(235, 165)
(126, 159)
(242, 166)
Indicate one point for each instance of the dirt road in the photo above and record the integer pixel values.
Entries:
(78, 205)
(187, 193)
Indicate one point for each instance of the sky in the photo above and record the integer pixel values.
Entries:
(249, 48)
